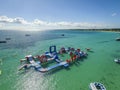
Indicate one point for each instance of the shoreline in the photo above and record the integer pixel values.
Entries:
(96, 30)
(101, 30)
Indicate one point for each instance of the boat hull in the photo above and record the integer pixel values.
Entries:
(117, 61)
(96, 86)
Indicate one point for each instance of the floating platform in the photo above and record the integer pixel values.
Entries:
(52, 55)
(65, 64)
(38, 67)
(32, 62)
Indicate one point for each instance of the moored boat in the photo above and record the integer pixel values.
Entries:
(96, 86)
(118, 39)
(8, 38)
(117, 60)
(3, 41)
(27, 35)
(62, 35)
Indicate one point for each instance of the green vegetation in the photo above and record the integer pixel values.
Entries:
(112, 29)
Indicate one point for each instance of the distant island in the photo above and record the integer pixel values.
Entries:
(110, 30)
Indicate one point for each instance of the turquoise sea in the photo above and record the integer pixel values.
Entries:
(98, 66)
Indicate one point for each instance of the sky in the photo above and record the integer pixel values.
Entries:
(59, 14)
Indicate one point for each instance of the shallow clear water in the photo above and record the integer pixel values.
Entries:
(98, 66)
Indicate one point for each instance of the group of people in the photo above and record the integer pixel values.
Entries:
(76, 54)
(42, 58)
(63, 50)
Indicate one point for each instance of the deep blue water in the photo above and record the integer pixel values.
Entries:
(19, 40)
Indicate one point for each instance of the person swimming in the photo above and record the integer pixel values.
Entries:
(88, 49)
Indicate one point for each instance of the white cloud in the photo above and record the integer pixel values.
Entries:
(22, 24)
(1, 25)
(114, 14)
(39, 22)
(5, 19)
(20, 20)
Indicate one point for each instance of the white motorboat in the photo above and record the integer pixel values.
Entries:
(117, 60)
(96, 86)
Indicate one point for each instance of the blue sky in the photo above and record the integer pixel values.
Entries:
(37, 14)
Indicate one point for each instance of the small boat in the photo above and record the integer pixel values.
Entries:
(3, 41)
(118, 39)
(96, 86)
(62, 35)
(8, 38)
(27, 35)
(117, 60)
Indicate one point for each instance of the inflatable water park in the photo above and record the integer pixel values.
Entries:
(52, 56)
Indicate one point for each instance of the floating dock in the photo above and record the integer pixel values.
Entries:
(38, 67)
(52, 55)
